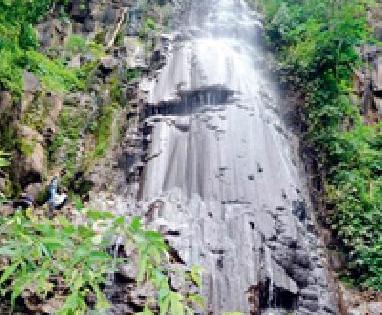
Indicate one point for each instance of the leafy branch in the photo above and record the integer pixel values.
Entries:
(58, 263)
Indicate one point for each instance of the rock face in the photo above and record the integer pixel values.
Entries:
(5, 101)
(31, 86)
(220, 169)
(30, 83)
(31, 167)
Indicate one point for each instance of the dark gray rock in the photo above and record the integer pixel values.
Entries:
(302, 258)
(311, 305)
(309, 294)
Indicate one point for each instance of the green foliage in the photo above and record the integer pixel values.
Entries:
(355, 187)
(18, 44)
(119, 39)
(149, 24)
(26, 146)
(316, 43)
(196, 275)
(102, 129)
(100, 38)
(72, 122)
(4, 159)
(4, 162)
(10, 71)
(53, 74)
(76, 44)
(132, 74)
(42, 254)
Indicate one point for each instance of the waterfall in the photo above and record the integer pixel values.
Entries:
(220, 161)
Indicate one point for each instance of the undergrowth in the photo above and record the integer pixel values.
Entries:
(18, 48)
(60, 264)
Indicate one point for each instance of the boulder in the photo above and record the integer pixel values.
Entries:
(5, 101)
(307, 294)
(31, 167)
(53, 32)
(111, 16)
(142, 294)
(79, 10)
(33, 190)
(75, 61)
(375, 308)
(378, 104)
(370, 308)
(302, 258)
(129, 271)
(55, 103)
(108, 63)
(311, 306)
(6, 209)
(30, 83)
(90, 25)
(378, 31)
(377, 75)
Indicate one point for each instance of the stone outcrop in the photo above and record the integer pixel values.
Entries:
(5, 101)
(31, 165)
(31, 86)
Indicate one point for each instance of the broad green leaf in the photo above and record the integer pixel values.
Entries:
(164, 305)
(99, 215)
(176, 305)
(135, 224)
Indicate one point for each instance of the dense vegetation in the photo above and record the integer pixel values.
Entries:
(316, 43)
(18, 44)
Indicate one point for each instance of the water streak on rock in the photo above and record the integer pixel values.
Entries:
(219, 159)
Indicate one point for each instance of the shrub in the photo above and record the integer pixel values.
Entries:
(55, 259)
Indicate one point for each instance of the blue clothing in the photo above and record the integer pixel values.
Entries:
(53, 186)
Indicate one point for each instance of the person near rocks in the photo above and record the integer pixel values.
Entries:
(56, 199)
(52, 188)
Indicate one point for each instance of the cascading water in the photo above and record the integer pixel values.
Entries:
(220, 162)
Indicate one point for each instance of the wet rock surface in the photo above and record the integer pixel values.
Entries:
(214, 156)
